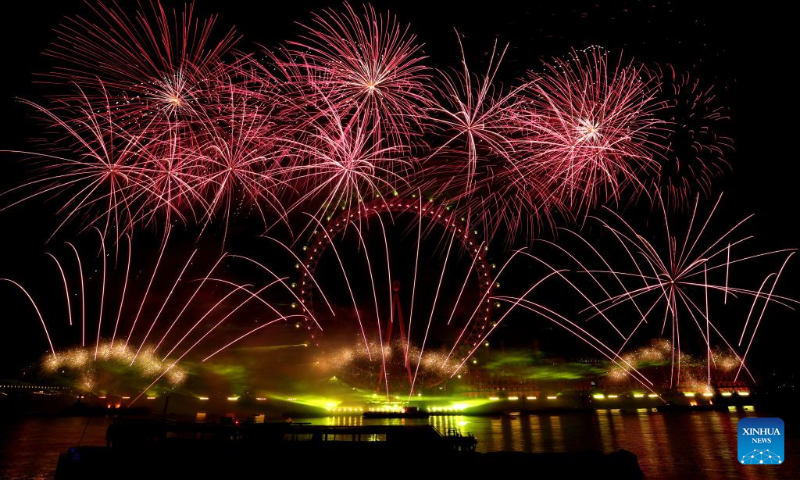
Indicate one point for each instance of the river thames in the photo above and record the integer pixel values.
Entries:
(668, 445)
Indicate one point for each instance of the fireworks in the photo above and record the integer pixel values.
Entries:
(669, 287)
(482, 173)
(188, 131)
(367, 68)
(359, 365)
(133, 338)
(696, 145)
(82, 370)
(590, 126)
(151, 70)
(154, 120)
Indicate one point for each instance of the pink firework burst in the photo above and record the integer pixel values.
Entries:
(336, 163)
(697, 147)
(477, 164)
(367, 67)
(240, 160)
(94, 170)
(475, 116)
(170, 181)
(590, 126)
(155, 66)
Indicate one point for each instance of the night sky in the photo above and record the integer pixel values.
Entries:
(745, 53)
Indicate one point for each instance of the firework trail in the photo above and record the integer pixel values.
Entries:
(369, 225)
(667, 287)
(157, 121)
(136, 354)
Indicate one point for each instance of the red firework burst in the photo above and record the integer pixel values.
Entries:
(697, 146)
(155, 67)
(240, 160)
(590, 126)
(367, 67)
(477, 123)
(336, 163)
(476, 116)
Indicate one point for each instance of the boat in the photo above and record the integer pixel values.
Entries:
(407, 412)
(135, 448)
(139, 449)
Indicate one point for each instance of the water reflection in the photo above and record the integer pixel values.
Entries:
(668, 445)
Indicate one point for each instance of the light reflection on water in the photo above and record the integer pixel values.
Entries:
(668, 445)
(688, 445)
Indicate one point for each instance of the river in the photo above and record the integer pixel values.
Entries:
(668, 445)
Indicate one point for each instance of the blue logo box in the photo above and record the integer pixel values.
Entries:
(761, 441)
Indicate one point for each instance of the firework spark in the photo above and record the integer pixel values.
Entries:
(697, 146)
(590, 126)
(671, 288)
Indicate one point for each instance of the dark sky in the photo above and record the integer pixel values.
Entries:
(746, 50)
